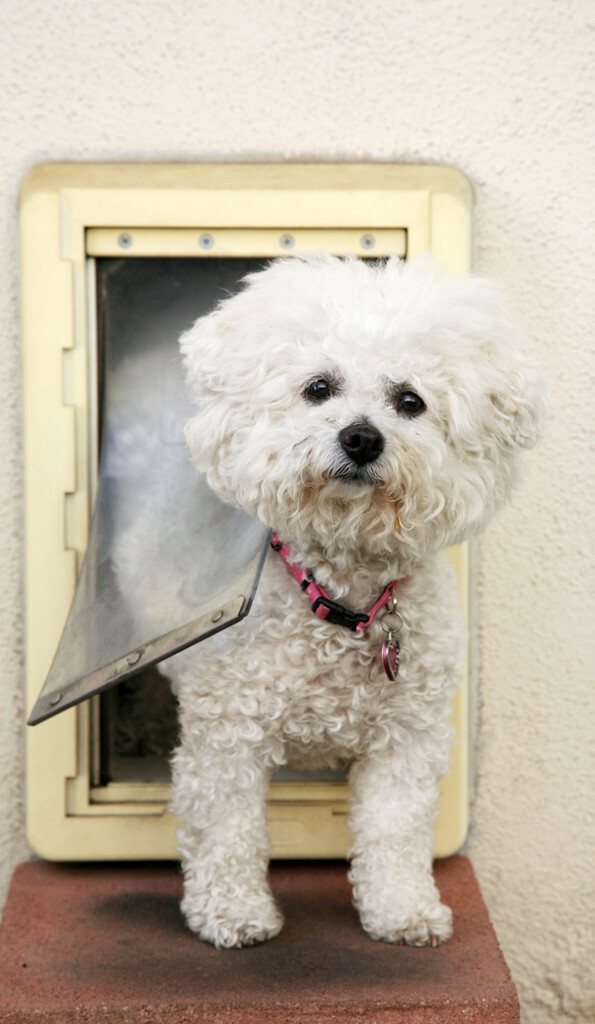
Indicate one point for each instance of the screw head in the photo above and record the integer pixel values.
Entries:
(217, 617)
(55, 699)
(125, 241)
(287, 242)
(206, 241)
(367, 241)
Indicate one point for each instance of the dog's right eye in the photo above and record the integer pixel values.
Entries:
(318, 390)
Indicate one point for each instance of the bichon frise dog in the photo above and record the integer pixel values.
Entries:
(371, 415)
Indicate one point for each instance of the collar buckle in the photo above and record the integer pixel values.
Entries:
(338, 615)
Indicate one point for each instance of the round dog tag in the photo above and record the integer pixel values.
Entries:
(391, 655)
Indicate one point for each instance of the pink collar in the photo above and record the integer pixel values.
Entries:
(322, 606)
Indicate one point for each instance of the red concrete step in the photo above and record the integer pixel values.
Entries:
(107, 943)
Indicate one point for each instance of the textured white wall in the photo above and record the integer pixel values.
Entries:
(502, 90)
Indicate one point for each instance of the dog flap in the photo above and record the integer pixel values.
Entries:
(167, 563)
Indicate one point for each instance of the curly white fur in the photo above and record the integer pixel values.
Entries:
(303, 691)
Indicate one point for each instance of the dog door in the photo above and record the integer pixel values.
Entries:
(116, 263)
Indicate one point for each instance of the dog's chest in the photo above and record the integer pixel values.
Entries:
(337, 710)
(329, 688)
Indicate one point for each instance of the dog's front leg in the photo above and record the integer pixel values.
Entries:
(394, 797)
(219, 791)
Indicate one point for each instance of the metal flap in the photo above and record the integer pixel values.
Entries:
(168, 563)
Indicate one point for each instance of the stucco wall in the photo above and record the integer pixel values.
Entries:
(502, 90)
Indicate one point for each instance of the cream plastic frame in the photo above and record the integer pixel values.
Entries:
(69, 213)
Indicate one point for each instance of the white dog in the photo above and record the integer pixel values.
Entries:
(372, 415)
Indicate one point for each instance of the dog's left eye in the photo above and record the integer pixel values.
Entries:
(409, 404)
(318, 390)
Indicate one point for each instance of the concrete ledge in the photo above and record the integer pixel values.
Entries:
(107, 943)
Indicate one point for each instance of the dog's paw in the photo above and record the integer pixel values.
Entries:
(428, 927)
(227, 924)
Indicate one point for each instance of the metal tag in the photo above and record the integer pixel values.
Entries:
(391, 656)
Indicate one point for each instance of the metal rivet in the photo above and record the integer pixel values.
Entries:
(134, 657)
(206, 241)
(367, 241)
(287, 241)
(125, 241)
(56, 699)
(217, 617)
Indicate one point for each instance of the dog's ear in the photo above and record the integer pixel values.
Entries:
(206, 350)
(515, 382)
(511, 384)
(519, 401)
(203, 349)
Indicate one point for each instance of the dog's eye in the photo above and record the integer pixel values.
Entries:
(318, 390)
(409, 404)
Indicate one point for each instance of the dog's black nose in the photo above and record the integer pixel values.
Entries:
(361, 442)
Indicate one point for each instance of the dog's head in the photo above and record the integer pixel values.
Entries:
(367, 406)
